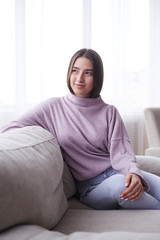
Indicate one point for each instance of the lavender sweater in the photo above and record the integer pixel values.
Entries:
(91, 134)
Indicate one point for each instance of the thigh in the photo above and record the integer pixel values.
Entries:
(154, 184)
(106, 195)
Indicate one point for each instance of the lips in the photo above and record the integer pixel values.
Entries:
(79, 85)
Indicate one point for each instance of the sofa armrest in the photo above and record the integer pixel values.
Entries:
(149, 164)
(154, 151)
(31, 168)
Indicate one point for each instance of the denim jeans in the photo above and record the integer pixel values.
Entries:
(103, 192)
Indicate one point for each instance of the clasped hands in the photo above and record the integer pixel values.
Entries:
(134, 188)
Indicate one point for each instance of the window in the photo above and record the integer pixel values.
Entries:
(7, 52)
(38, 38)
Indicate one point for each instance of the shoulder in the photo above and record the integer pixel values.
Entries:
(109, 108)
(45, 106)
(52, 100)
(49, 102)
(111, 112)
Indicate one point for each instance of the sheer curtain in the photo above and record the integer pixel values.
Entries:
(120, 33)
(38, 38)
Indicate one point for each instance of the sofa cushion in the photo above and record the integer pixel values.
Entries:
(31, 187)
(68, 182)
(77, 220)
(32, 232)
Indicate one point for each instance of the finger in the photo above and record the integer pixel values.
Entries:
(135, 194)
(132, 187)
(134, 184)
(128, 191)
(132, 190)
(128, 180)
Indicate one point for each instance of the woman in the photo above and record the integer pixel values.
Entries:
(94, 141)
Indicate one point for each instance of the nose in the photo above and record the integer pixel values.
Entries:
(80, 77)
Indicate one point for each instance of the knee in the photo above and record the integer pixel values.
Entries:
(118, 185)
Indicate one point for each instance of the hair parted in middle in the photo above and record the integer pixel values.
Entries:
(96, 60)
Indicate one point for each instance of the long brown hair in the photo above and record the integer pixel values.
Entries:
(96, 60)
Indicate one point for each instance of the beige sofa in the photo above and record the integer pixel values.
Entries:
(38, 200)
(152, 123)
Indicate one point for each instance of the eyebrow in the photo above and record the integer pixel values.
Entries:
(85, 69)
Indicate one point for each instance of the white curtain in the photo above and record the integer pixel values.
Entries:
(120, 31)
(38, 37)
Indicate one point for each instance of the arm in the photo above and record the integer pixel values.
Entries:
(123, 158)
(37, 116)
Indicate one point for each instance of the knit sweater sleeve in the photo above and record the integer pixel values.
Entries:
(37, 116)
(122, 156)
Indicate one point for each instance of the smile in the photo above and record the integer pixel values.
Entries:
(79, 85)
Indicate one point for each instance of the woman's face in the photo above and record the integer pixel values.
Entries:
(81, 78)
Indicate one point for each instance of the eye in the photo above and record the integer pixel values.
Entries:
(74, 70)
(89, 73)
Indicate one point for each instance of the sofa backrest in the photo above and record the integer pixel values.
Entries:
(152, 122)
(31, 186)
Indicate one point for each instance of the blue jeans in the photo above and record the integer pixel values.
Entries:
(103, 192)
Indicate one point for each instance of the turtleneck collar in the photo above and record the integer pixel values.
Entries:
(83, 102)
